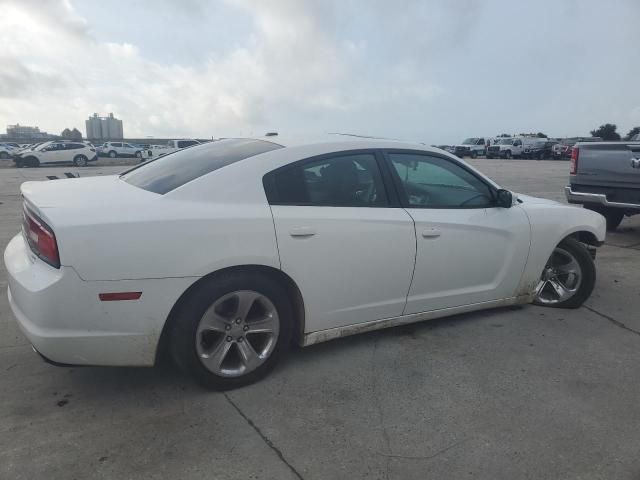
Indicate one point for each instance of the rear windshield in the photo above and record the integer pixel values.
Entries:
(174, 170)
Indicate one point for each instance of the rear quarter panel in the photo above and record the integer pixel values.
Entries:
(168, 238)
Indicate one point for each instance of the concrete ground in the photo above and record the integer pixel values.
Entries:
(513, 393)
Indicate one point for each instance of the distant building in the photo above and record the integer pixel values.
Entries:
(24, 131)
(104, 128)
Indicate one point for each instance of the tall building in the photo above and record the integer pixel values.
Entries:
(24, 131)
(104, 128)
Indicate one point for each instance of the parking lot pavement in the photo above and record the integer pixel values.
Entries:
(511, 393)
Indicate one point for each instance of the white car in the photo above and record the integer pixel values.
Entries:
(57, 152)
(7, 151)
(238, 247)
(121, 149)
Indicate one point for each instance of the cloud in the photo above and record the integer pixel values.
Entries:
(424, 70)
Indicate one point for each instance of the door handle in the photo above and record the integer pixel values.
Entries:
(302, 232)
(431, 233)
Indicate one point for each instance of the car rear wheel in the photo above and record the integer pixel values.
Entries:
(568, 277)
(232, 330)
(80, 161)
(112, 154)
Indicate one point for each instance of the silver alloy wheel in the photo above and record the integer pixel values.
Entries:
(560, 280)
(237, 333)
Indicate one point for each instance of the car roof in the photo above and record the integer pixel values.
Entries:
(338, 142)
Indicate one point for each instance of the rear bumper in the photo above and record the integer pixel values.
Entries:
(65, 321)
(595, 199)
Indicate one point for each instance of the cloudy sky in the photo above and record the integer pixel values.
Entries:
(425, 70)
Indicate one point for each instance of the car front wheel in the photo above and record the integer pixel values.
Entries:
(568, 277)
(113, 154)
(232, 330)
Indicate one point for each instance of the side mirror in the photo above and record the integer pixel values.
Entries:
(504, 198)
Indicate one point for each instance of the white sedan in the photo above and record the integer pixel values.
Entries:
(224, 253)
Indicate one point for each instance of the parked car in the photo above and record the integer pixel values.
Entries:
(470, 147)
(56, 152)
(562, 150)
(238, 247)
(31, 146)
(175, 145)
(605, 178)
(6, 151)
(120, 149)
(542, 150)
(507, 147)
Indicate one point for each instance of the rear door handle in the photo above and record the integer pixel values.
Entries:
(431, 233)
(302, 232)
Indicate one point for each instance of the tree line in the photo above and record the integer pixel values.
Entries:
(608, 132)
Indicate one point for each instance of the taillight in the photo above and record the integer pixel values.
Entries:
(41, 238)
(575, 152)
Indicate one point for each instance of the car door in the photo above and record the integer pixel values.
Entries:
(469, 251)
(343, 238)
(54, 153)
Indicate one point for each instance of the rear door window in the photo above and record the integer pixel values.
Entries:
(343, 180)
(175, 169)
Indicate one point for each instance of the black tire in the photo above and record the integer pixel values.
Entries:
(139, 154)
(32, 162)
(183, 333)
(19, 163)
(80, 161)
(4, 155)
(613, 215)
(490, 157)
(507, 155)
(583, 257)
(474, 154)
(113, 154)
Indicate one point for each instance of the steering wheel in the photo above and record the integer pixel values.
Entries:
(472, 198)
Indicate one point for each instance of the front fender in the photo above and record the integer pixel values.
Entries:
(550, 224)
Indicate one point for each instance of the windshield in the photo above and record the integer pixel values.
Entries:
(174, 170)
(470, 141)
